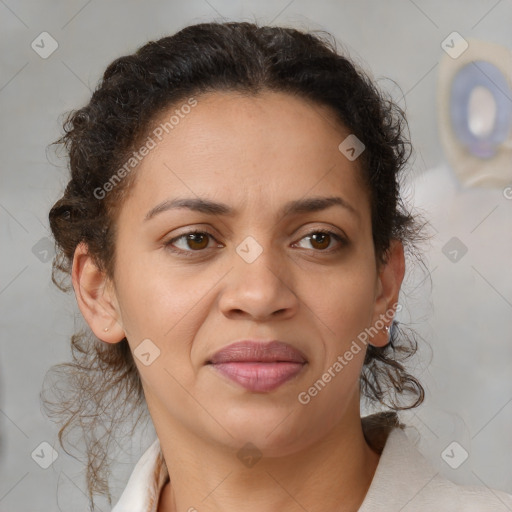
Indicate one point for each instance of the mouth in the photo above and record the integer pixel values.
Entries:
(258, 366)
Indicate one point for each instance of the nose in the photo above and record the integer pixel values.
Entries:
(262, 289)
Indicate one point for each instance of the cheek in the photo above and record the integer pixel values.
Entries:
(343, 310)
(155, 296)
(160, 306)
(343, 301)
(166, 304)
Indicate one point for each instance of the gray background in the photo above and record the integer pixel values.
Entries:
(462, 310)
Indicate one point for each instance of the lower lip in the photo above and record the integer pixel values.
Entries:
(259, 377)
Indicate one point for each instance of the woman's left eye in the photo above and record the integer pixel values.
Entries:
(323, 238)
(195, 241)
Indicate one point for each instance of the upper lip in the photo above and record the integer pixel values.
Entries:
(258, 351)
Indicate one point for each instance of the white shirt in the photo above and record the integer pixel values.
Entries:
(403, 482)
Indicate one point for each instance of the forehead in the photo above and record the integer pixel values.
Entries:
(244, 149)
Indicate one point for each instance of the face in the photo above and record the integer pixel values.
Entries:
(306, 277)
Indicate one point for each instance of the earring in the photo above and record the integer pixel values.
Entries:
(392, 333)
(106, 329)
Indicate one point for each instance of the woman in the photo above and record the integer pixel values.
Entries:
(235, 238)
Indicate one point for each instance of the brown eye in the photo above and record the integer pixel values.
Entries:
(197, 240)
(320, 240)
(194, 241)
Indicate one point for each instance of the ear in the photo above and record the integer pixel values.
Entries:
(389, 281)
(96, 297)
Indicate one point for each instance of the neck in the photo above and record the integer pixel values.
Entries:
(332, 474)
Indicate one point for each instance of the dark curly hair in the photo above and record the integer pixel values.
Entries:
(102, 382)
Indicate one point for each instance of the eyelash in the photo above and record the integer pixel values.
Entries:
(168, 245)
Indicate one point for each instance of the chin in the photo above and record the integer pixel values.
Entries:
(274, 431)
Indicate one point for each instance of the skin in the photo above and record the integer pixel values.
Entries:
(254, 153)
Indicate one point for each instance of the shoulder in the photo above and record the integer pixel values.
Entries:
(406, 481)
(454, 497)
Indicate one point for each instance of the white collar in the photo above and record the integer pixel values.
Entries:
(404, 480)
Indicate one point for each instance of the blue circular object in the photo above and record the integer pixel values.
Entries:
(481, 74)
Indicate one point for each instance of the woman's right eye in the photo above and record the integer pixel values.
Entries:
(193, 241)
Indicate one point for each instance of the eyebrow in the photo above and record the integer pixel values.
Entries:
(299, 206)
